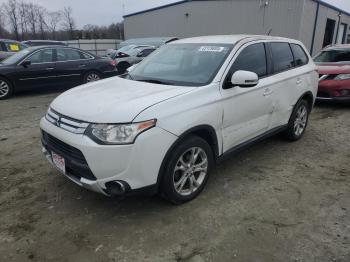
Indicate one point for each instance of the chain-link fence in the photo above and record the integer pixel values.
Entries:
(95, 46)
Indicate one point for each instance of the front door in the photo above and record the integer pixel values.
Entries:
(247, 111)
(41, 71)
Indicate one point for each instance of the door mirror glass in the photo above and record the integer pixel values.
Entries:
(244, 79)
(26, 63)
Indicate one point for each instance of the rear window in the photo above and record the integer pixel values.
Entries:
(282, 57)
(299, 55)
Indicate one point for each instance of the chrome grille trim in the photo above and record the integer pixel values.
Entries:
(68, 124)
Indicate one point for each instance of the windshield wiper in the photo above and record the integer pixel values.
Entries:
(155, 81)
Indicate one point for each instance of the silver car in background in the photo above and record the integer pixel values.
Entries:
(131, 56)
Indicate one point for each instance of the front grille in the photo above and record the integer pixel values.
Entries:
(66, 123)
(75, 161)
(64, 148)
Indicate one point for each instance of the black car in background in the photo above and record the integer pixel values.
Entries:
(10, 47)
(43, 43)
(51, 65)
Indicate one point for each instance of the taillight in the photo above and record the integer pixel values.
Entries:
(113, 62)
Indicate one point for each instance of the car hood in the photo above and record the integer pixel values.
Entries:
(333, 69)
(113, 100)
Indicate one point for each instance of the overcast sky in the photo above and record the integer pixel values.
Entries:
(104, 12)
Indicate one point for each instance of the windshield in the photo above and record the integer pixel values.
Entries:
(14, 46)
(333, 56)
(124, 48)
(182, 64)
(16, 57)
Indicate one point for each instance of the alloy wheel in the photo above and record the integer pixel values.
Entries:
(300, 120)
(190, 171)
(4, 88)
(92, 77)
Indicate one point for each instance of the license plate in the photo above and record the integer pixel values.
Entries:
(59, 162)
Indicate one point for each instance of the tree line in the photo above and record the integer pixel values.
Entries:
(22, 20)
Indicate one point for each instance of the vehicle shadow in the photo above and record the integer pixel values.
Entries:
(101, 205)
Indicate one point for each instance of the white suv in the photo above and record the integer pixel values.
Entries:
(164, 125)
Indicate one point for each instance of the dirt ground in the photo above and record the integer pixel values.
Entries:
(276, 201)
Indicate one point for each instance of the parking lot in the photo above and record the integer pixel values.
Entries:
(277, 201)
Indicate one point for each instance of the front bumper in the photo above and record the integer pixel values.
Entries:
(137, 164)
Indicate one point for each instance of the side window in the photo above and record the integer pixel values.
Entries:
(299, 55)
(85, 56)
(282, 57)
(42, 56)
(67, 54)
(252, 58)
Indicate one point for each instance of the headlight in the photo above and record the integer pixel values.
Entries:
(342, 77)
(118, 134)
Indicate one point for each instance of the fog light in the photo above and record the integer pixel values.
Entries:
(117, 188)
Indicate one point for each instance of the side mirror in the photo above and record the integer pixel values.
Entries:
(26, 63)
(140, 54)
(244, 79)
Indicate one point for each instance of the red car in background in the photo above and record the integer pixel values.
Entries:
(334, 69)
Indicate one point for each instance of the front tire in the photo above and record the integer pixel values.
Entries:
(298, 121)
(187, 170)
(6, 88)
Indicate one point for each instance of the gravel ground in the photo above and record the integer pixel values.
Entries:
(276, 201)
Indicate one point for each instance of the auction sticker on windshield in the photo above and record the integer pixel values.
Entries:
(59, 162)
(211, 49)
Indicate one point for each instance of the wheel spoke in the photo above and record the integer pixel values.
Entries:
(180, 184)
(192, 186)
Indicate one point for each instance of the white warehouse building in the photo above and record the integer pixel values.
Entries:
(314, 22)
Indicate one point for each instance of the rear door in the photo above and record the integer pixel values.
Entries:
(288, 80)
(41, 71)
(72, 64)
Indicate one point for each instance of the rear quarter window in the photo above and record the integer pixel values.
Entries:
(300, 56)
(282, 57)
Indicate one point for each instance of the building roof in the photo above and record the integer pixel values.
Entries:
(185, 1)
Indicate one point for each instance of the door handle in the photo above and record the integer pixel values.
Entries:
(82, 65)
(267, 92)
(50, 68)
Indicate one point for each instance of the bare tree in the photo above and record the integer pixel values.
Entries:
(23, 21)
(41, 13)
(12, 13)
(32, 19)
(53, 22)
(2, 21)
(68, 21)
